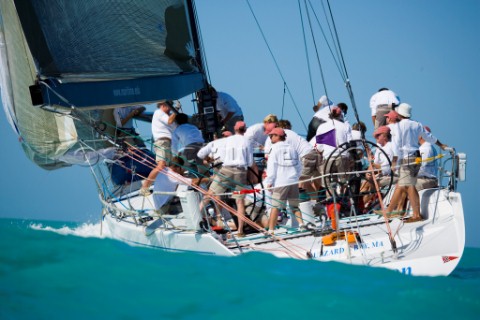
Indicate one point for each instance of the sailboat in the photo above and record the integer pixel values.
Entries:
(67, 65)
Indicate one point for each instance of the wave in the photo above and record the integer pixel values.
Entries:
(85, 230)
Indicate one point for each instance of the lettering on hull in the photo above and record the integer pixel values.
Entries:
(406, 270)
(329, 252)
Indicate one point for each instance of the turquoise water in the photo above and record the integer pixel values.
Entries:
(52, 270)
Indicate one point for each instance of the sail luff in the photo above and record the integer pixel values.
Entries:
(43, 135)
(90, 55)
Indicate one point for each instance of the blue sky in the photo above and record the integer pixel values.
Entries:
(426, 51)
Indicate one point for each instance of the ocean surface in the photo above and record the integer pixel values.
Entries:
(55, 270)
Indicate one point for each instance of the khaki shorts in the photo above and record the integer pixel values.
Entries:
(281, 195)
(189, 153)
(408, 172)
(312, 164)
(380, 119)
(229, 177)
(339, 164)
(163, 150)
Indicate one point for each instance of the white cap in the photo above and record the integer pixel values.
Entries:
(405, 110)
(324, 101)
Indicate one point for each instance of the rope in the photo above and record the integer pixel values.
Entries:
(276, 64)
(306, 51)
(282, 242)
(335, 59)
(322, 75)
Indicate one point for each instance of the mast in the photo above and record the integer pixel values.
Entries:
(206, 119)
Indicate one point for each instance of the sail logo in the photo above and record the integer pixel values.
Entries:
(126, 92)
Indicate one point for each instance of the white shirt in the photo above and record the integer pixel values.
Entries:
(121, 113)
(256, 134)
(379, 158)
(215, 149)
(238, 152)
(226, 103)
(283, 166)
(383, 97)
(324, 113)
(184, 135)
(299, 144)
(405, 140)
(343, 133)
(160, 126)
(356, 135)
(167, 181)
(429, 166)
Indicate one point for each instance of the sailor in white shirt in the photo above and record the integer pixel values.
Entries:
(214, 152)
(187, 141)
(256, 133)
(428, 173)
(381, 160)
(124, 116)
(322, 110)
(233, 174)
(330, 135)
(228, 108)
(381, 103)
(283, 171)
(406, 150)
(333, 133)
(311, 159)
(165, 180)
(357, 130)
(163, 124)
(124, 122)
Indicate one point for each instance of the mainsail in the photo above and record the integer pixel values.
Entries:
(89, 55)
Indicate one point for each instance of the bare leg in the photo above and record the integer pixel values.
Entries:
(241, 214)
(264, 221)
(414, 200)
(298, 215)
(310, 188)
(272, 221)
(397, 195)
(402, 203)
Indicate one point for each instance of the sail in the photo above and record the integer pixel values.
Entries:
(96, 54)
(43, 135)
(88, 56)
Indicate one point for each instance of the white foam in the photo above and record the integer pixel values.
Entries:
(86, 230)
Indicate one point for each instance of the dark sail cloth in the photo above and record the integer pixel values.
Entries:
(312, 127)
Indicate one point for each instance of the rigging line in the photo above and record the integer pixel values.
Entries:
(224, 205)
(97, 180)
(283, 99)
(306, 51)
(136, 154)
(322, 75)
(335, 59)
(347, 81)
(276, 64)
(337, 42)
(285, 244)
(332, 37)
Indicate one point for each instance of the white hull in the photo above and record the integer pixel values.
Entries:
(431, 247)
